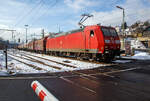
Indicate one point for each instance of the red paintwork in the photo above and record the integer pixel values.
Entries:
(95, 42)
(42, 95)
(82, 40)
(34, 86)
(71, 41)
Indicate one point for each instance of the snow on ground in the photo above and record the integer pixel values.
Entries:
(138, 56)
(46, 68)
(141, 56)
(136, 44)
(79, 64)
(22, 68)
(15, 66)
(64, 68)
(122, 61)
(18, 67)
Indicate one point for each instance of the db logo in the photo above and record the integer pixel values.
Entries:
(112, 40)
(60, 42)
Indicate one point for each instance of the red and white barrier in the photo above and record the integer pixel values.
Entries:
(42, 92)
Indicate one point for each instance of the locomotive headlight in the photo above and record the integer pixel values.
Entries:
(106, 51)
(117, 41)
(106, 47)
(107, 41)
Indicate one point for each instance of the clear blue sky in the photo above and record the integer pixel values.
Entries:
(50, 14)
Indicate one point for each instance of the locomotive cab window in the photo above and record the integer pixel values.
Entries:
(91, 33)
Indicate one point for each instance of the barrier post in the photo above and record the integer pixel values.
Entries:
(42, 92)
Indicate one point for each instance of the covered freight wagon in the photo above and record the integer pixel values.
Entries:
(31, 46)
(40, 45)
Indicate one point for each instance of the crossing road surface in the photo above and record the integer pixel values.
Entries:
(121, 82)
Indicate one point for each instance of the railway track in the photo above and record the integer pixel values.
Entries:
(65, 64)
(35, 57)
(72, 58)
(37, 61)
(102, 71)
(29, 56)
(33, 66)
(87, 61)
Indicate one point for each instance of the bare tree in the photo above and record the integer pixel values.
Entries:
(1, 39)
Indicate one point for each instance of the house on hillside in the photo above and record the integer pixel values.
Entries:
(146, 32)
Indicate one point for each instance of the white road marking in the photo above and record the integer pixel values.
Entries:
(117, 71)
(67, 80)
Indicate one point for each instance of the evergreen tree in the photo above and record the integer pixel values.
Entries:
(146, 23)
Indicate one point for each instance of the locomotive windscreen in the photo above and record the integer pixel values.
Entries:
(109, 32)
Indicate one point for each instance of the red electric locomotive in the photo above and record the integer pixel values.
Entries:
(92, 42)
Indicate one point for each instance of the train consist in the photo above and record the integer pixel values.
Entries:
(91, 42)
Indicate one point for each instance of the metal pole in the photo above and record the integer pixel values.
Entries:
(26, 35)
(123, 22)
(124, 35)
(34, 36)
(12, 35)
(26, 32)
(6, 56)
(42, 33)
(123, 28)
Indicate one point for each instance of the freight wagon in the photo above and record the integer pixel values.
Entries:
(40, 45)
